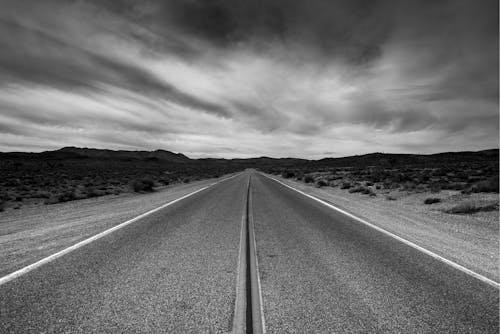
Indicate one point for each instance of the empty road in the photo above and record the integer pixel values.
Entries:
(177, 271)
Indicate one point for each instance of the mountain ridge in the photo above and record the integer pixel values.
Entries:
(160, 155)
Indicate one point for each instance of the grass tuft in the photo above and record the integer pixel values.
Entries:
(470, 207)
(143, 185)
(321, 183)
(432, 200)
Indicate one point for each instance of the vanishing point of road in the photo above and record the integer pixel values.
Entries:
(247, 255)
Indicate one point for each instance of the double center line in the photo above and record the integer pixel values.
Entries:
(248, 311)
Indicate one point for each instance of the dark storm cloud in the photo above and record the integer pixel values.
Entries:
(266, 75)
(33, 56)
(456, 38)
(353, 30)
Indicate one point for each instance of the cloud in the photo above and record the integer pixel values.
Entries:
(35, 56)
(232, 78)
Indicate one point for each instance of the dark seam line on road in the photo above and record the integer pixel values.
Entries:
(256, 299)
(248, 287)
(249, 320)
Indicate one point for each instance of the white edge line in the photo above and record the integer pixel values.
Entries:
(69, 249)
(407, 242)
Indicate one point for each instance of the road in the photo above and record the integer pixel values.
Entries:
(176, 271)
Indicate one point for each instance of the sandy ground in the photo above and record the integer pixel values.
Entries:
(471, 240)
(34, 232)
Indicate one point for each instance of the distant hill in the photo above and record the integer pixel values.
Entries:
(390, 159)
(111, 154)
(372, 159)
(103, 154)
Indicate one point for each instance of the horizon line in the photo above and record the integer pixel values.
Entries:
(253, 157)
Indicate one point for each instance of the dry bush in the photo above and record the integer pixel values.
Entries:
(346, 185)
(470, 207)
(487, 186)
(321, 183)
(435, 188)
(143, 185)
(308, 179)
(91, 191)
(362, 189)
(67, 196)
(432, 200)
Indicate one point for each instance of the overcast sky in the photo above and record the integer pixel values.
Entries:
(250, 78)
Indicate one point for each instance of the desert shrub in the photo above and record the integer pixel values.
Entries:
(388, 184)
(308, 179)
(487, 186)
(186, 180)
(321, 183)
(18, 199)
(165, 182)
(145, 184)
(346, 185)
(378, 187)
(2, 205)
(470, 207)
(455, 185)
(409, 185)
(92, 192)
(369, 183)
(361, 189)
(489, 207)
(287, 174)
(66, 196)
(51, 200)
(368, 191)
(435, 188)
(334, 177)
(390, 198)
(42, 194)
(420, 188)
(432, 200)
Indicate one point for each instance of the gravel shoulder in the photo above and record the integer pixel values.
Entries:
(32, 233)
(469, 239)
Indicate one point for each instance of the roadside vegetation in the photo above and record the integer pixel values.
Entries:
(432, 200)
(470, 207)
(393, 179)
(77, 173)
(51, 181)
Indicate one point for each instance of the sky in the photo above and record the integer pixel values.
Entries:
(234, 78)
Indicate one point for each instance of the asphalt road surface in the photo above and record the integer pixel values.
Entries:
(175, 271)
(322, 272)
